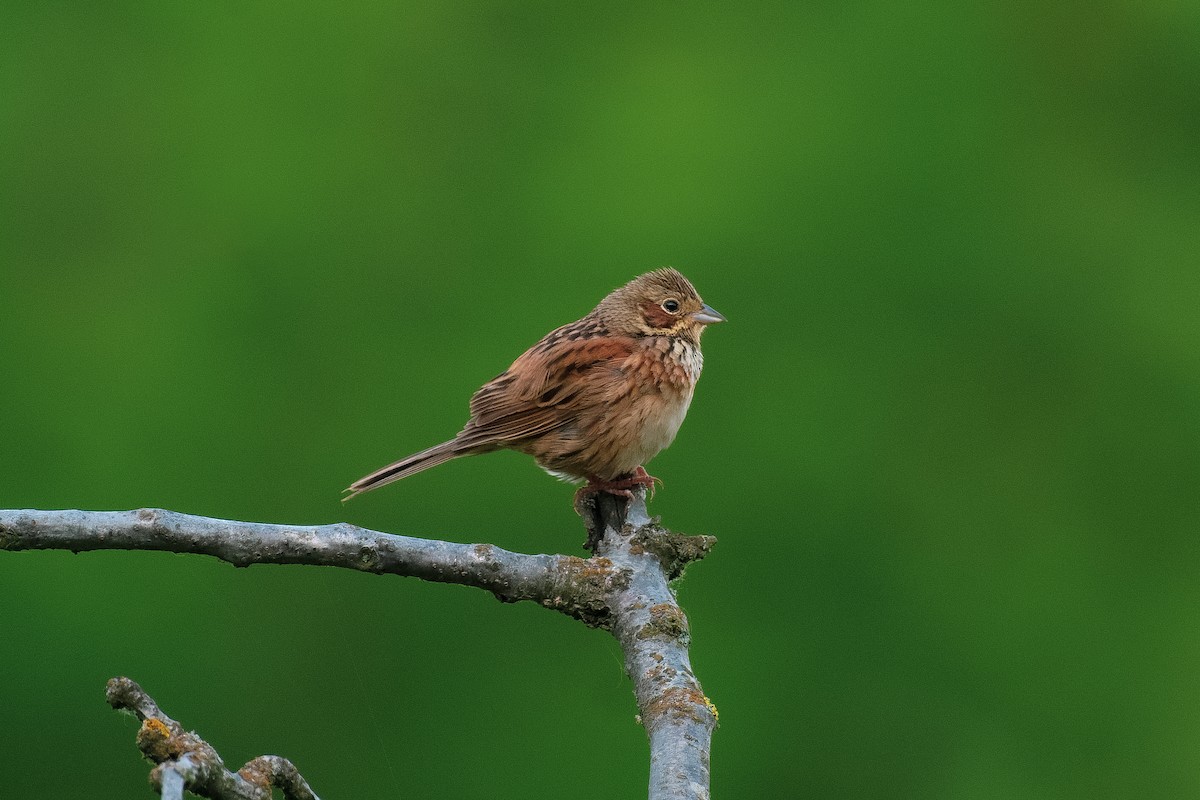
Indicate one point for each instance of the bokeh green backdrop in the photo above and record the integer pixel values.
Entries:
(948, 440)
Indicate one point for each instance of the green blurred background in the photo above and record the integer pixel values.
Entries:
(949, 440)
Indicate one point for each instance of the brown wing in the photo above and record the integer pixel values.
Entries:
(543, 389)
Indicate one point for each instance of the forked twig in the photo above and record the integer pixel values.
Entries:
(185, 761)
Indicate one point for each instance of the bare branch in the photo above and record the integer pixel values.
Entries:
(575, 586)
(185, 761)
(624, 587)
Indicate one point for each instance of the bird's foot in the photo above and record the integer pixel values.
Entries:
(643, 478)
(619, 487)
(588, 506)
(622, 487)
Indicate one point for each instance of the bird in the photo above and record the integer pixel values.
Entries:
(592, 401)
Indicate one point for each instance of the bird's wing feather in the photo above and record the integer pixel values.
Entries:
(541, 389)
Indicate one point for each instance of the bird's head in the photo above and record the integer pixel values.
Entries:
(659, 303)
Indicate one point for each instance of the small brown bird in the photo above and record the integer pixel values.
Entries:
(594, 400)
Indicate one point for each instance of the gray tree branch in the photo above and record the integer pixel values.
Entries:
(185, 761)
(624, 587)
(577, 587)
(653, 632)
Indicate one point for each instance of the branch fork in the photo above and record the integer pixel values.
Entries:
(623, 588)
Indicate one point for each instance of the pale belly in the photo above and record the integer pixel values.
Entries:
(659, 423)
(634, 436)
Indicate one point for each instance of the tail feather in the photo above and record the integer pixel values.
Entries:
(411, 465)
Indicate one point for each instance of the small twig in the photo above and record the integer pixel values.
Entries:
(172, 783)
(184, 760)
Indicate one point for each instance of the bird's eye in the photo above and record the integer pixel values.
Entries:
(670, 306)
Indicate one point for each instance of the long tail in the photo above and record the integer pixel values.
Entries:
(415, 463)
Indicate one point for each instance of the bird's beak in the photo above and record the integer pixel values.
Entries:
(708, 315)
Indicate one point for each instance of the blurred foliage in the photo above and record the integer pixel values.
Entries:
(949, 439)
